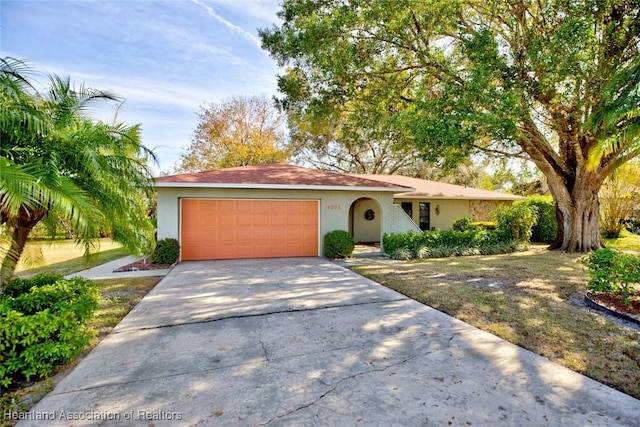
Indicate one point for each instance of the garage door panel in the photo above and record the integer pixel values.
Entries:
(245, 237)
(309, 234)
(294, 220)
(245, 251)
(226, 220)
(278, 208)
(264, 206)
(227, 229)
(227, 237)
(278, 219)
(262, 236)
(294, 235)
(263, 220)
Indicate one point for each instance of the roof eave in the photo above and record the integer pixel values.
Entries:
(280, 187)
(408, 195)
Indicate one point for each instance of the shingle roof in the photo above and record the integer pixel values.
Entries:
(274, 175)
(438, 190)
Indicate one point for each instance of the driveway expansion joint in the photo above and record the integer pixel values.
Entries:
(248, 316)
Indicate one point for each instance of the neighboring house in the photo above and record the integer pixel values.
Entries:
(436, 205)
(278, 210)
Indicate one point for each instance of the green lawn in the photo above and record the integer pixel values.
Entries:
(532, 299)
(65, 257)
(626, 242)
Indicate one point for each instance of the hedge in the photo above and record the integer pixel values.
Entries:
(512, 232)
(42, 325)
(546, 225)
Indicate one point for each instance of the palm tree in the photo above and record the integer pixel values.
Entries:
(616, 120)
(56, 164)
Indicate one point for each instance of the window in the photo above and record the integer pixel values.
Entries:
(408, 208)
(425, 207)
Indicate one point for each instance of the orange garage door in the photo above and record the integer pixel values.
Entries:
(228, 229)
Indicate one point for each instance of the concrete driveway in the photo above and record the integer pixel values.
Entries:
(304, 341)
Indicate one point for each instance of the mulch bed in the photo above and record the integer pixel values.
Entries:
(143, 264)
(616, 305)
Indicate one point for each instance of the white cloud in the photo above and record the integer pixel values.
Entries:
(264, 10)
(228, 24)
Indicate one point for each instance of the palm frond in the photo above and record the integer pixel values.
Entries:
(616, 122)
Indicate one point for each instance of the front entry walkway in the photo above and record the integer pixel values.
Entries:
(303, 341)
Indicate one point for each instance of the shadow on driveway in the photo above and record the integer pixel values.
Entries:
(303, 341)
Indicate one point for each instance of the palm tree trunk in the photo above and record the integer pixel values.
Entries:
(23, 224)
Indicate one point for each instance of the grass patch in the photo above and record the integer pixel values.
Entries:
(532, 299)
(626, 242)
(65, 257)
(119, 296)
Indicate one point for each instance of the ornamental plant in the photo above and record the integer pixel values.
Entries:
(338, 244)
(546, 225)
(613, 273)
(43, 325)
(462, 224)
(167, 251)
(517, 220)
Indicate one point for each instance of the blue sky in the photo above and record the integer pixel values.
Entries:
(164, 57)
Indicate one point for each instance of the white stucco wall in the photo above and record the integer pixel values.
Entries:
(334, 206)
(366, 230)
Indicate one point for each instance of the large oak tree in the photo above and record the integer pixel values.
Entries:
(553, 81)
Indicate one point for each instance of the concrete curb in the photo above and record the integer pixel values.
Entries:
(106, 270)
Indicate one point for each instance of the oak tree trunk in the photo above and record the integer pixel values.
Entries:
(578, 214)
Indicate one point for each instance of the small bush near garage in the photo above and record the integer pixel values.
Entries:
(167, 252)
(42, 325)
(338, 244)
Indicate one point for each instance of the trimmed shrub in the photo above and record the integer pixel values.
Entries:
(487, 225)
(409, 241)
(516, 220)
(462, 224)
(613, 272)
(437, 244)
(546, 226)
(167, 251)
(338, 244)
(44, 327)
